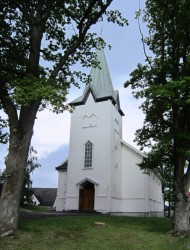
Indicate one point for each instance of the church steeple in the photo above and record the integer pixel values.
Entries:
(100, 86)
(101, 81)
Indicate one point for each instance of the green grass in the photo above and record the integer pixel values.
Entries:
(80, 233)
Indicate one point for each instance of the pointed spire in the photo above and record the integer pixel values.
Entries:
(101, 85)
(101, 81)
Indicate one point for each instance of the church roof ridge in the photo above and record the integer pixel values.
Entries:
(132, 148)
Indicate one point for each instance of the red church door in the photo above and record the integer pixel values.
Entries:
(86, 197)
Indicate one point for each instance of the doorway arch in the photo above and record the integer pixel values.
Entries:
(86, 196)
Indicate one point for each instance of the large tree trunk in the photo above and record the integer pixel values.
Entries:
(12, 187)
(19, 143)
(181, 196)
(181, 215)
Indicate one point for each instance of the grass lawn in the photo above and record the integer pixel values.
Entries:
(80, 233)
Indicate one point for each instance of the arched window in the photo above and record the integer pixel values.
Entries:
(88, 155)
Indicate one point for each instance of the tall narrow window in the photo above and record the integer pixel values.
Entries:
(88, 155)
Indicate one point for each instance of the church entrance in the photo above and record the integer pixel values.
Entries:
(86, 196)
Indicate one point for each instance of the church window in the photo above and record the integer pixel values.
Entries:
(88, 155)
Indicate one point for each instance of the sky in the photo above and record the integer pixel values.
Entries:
(51, 131)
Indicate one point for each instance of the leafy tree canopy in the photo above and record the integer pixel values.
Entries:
(164, 82)
(63, 25)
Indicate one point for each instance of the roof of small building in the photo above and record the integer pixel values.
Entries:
(45, 196)
(62, 166)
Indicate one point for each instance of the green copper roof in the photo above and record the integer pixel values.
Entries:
(100, 86)
(101, 80)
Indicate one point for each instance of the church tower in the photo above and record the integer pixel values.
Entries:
(94, 150)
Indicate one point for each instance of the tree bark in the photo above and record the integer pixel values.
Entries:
(181, 180)
(19, 143)
(181, 215)
(181, 198)
(12, 186)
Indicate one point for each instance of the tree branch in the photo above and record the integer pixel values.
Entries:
(80, 39)
(48, 10)
(142, 37)
(26, 12)
(8, 105)
(70, 14)
(86, 14)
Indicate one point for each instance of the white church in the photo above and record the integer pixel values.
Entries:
(101, 172)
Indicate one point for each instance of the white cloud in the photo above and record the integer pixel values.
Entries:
(133, 118)
(50, 132)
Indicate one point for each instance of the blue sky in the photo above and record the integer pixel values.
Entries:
(51, 131)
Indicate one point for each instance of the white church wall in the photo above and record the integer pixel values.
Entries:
(116, 165)
(134, 181)
(61, 191)
(155, 193)
(142, 192)
(101, 202)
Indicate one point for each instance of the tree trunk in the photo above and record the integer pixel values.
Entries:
(19, 143)
(181, 215)
(13, 183)
(181, 180)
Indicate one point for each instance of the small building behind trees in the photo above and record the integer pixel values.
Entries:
(44, 196)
